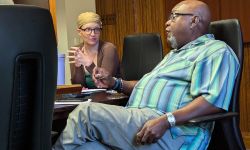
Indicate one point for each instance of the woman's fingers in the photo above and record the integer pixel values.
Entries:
(74, 48)
(71, 56)
(71, 51)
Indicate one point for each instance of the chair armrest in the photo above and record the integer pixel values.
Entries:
(213, 117)
(54, 136)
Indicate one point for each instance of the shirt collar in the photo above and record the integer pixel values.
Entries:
(200, 40)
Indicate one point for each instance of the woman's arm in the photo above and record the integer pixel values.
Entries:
(77, 75)
(110, 60)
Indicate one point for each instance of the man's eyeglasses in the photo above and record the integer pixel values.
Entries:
(89, 30)
(173, 16)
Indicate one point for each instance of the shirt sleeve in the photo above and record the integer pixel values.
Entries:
(110, 60)
(214, 77)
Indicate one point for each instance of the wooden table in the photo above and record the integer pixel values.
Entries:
(61, 112)
(64, 89)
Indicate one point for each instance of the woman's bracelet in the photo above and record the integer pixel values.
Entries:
(118, 86)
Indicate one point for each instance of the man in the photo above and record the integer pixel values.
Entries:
(196, 78)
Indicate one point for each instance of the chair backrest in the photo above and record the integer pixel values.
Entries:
(141, 53)
(229, 31)
(28, 67)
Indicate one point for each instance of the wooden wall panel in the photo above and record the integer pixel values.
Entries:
(138, 16)
(122, 24)
(246, 138)
(106, 9)
(214, 6)
(245, 92)
(125, 22)
(151, 17)
(131, 16)
(237, 9)
(244, 97)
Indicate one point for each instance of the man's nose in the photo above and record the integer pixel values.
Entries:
(168, 22)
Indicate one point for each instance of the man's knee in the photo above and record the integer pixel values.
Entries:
(85, 111)
(77, 113)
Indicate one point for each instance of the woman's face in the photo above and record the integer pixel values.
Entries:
(90, 33)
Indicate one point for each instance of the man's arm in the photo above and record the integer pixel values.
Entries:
(128, 86)
(199, 107)
(155, 128)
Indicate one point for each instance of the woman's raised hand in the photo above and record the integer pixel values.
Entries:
(77, 56)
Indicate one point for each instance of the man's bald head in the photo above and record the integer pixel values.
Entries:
(189, 20)
(200, 9)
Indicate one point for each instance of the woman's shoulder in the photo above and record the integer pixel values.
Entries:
(107, 45)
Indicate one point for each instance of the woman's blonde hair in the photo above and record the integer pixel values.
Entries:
(88, 17)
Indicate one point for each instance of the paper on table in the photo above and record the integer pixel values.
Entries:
(71, 102)
(93, 90)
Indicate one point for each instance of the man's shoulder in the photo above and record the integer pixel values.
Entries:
(216, 43)
(214, 48)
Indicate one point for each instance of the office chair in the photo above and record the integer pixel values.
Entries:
(28, 67)
(141, 53)
(227, 134)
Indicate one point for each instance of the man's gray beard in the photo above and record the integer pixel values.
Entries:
(172, 40)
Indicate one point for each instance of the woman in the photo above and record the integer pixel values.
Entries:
(92, 52)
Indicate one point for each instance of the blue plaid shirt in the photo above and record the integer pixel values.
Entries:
(204, 67)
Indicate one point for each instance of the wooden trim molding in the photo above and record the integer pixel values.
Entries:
(52, 9)
(246, 139)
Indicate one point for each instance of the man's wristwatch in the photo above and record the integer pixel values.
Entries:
(171, 119)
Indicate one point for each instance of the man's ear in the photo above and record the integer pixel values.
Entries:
(194, 22)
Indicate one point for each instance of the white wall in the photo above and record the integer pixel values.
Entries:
(67, 12)
(6, 2)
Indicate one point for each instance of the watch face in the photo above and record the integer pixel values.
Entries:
(171, 119)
